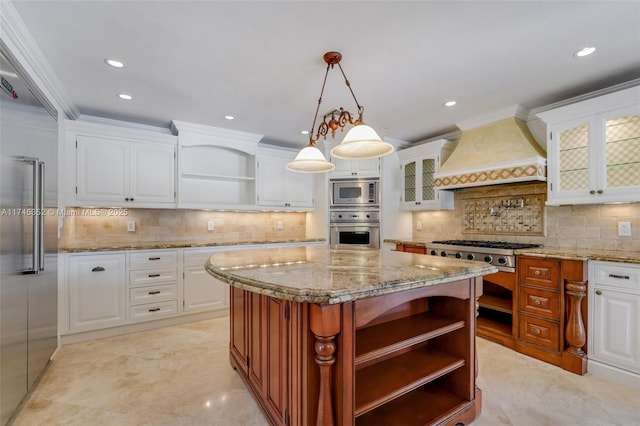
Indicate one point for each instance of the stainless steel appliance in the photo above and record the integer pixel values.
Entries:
(497, 253)
(355, 192)
(355, 228)
(28, 234)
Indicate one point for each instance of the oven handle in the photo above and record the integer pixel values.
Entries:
(353, 224)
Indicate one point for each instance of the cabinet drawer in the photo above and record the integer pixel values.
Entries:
(152, 310)
(540, 331)
(153, 294)
(415, 249)
(540, 272)
(540, 302)
(153, 259)
(618, 276)
(152, 276)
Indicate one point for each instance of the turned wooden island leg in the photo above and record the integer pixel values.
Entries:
(325, 326)
(574, 359)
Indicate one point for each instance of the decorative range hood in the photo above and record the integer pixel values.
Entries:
(494, 150)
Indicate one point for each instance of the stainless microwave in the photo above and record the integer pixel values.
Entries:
(349, 192)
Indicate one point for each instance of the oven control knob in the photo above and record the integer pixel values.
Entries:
(368, 216)
(471, 256)
(433, 252)
(443, 253)
(458, 255)
(502, 260)
(488, 258)
(340, 216)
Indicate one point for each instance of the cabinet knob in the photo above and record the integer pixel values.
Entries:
(126, 199)
(98, 269)
(537, 302)
(598, 292)
(536, 331)
(600, 191)
(592, 192)
(537, 272)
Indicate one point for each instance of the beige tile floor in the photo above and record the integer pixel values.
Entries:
(181, 376)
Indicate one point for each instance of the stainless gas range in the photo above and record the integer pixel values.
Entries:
(498, 253)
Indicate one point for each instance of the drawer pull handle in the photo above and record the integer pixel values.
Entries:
(536, 331)
(598, 292)
(154, 292)
(537, 301)
(98, 269)
(154, 258)
(154, 309)
(536, 272)
(154, 275)
(620, 277)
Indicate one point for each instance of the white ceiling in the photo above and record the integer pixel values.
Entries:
(261, 61)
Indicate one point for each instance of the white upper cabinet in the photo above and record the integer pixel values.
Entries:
(355, 168)
(279, 187)
(418, 165)
(217, 167)
(113, 166)
(593, 150)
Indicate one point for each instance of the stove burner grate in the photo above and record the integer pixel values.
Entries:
(487, 244)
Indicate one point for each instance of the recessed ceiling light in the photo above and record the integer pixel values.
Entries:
(450, 103)
(304, 132)
(114, 63)
(125, 96)
(585, 52)
(229, 117)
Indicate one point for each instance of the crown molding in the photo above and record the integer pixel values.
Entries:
(517, 111)
(21, 44)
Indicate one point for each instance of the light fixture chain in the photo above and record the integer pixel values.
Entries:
(346, 81)
(312, 140)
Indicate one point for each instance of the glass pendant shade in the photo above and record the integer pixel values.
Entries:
(361, 142)
(310, 160)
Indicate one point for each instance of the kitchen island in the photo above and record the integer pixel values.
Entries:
(344, 336)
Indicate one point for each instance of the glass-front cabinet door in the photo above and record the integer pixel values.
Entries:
(595, 158)
(418, 165)
(622, 150)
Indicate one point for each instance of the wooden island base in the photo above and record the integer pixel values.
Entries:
(406, 358)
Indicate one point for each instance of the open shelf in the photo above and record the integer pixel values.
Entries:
(423, 406)
(496, 303)
(394, 377)
(493, 326)
(383, 339)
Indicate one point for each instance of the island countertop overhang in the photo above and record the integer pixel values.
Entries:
(325, 275)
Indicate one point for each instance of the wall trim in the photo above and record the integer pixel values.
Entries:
(19, 41)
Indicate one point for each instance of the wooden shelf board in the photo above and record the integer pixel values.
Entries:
(494, 326)
(423, 406)
(385, 381)
(217, 177)
(383, 339)
(496, 303)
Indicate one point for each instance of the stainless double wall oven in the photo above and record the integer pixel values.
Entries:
(354, 213)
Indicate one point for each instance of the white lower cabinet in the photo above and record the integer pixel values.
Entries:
(614, 319)
(97, 291)
(153, 284)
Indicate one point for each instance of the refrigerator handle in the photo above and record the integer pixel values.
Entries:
(40, 216)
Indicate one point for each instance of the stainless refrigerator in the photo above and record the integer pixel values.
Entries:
(28, 233)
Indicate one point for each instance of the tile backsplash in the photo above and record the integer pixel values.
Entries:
(518, 211)
(103, 227)
(574, 227)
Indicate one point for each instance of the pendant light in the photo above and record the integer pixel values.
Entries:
(360, 142)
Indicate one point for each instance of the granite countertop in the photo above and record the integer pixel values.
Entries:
(154, 245)
(321, 274)
(557, 253)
